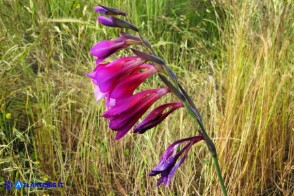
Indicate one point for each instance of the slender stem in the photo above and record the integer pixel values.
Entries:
(219, 175)
(195, 114)
(212, 150)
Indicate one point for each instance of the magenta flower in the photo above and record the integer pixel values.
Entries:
(168, 164)
(156, 116)
(125, 87)
(104, 49)
(106, 76)
(117, 80)
(125, 114)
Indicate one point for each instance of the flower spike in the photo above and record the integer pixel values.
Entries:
(117, 81)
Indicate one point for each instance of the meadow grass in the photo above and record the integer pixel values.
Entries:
(234, 58)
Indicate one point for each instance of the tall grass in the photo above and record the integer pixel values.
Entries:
(257, 123)
(234, 58)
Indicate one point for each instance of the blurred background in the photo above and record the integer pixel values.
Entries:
(235, 59)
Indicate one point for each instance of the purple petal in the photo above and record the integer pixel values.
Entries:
(106, 21)
(167, 159)
(98, 94)
(100, 10)
(124, 115)
(140, 108)
(107, 75)
(107, 47)
(128, 104)
(174, 168)
(139, 105)
(126, 86)
(168, 163)
(156, 116)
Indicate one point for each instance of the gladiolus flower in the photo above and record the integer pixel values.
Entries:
(125, 114)
(156, 116)
(104, 49)
(105, 76)
(126, 86)
(168, 164)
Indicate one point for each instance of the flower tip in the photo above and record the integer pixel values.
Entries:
(166, 184)
(100, 10)
(138, 130)
(88, 75)
(152, 173)
(120, 134)
(111, 11)
(99, 60)
(98, 94)
(106, 21)
(105, 115)
(124, 24)
(156, 116)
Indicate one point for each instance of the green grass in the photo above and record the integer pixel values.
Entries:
(234, 59)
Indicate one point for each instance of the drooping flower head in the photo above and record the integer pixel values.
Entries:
(169, 163)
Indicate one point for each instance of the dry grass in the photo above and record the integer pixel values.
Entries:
(235, 60)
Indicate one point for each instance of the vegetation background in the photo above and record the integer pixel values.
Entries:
(235, 58)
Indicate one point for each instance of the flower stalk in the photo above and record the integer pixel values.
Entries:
(117, 81)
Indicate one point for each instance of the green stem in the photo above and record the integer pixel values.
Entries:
(211, 148)
(196, 115)
(219, 175)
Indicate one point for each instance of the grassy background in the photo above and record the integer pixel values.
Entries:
(234, 58)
